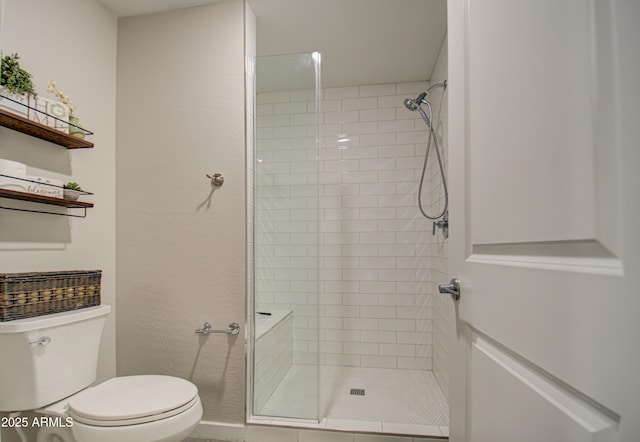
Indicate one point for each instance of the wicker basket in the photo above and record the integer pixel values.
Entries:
(24, 295)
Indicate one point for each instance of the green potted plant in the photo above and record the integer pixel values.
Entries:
(13, 79)
(72, 191)
(16, 85)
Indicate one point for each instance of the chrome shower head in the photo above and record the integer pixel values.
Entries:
(413, 105)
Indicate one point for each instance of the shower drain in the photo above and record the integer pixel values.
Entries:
(357, 391)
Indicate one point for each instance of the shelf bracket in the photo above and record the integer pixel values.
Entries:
(84, 214)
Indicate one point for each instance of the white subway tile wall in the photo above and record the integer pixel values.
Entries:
(443, 308)
(375, 249)
(273, 359)
(286, 214)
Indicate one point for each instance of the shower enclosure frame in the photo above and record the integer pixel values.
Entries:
(280, 319)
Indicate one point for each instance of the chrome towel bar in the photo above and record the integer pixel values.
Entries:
(207, 329)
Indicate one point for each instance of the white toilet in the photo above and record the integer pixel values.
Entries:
(52, 359)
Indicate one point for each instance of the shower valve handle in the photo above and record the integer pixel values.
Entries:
(442, 224)
(453, 288)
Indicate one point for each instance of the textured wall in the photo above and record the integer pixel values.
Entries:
(81, 59)
(181, 245)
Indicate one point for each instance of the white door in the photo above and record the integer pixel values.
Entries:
(544, 170)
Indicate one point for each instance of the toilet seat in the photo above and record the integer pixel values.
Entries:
(131, 400)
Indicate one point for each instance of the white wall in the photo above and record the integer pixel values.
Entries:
(74, 43)
(376, 247)
(376, 287)
(443, 307)
(286, 237)
(181, 245)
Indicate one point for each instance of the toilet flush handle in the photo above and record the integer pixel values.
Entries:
(44, 340)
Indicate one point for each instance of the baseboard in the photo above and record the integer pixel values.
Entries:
(219, 431)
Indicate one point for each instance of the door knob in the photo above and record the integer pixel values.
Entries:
(453, 288)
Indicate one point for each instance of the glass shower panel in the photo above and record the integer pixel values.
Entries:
(285, 372)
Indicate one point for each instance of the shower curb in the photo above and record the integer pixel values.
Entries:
(266, 432)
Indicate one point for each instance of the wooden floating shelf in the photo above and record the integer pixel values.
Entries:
(26, 126)
(34, 198)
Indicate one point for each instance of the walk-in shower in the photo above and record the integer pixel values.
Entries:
(346, 327)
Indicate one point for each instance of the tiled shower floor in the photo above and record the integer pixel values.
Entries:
(395, 401)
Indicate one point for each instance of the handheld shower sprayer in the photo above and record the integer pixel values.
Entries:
(421, 97)
(415, 105)
(437, 85)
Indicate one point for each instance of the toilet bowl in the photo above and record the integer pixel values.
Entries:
(55, 356)
(141, 408)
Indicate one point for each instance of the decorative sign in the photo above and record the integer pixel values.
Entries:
(52, 113)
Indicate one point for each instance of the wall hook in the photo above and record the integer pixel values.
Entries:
(216, 179)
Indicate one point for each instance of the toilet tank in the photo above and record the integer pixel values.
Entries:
(47, 358)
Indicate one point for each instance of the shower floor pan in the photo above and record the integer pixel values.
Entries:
(408, 402)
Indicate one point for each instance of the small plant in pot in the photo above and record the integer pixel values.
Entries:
(74, 123)
(72, 191)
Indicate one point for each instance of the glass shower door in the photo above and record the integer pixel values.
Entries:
(284, 302)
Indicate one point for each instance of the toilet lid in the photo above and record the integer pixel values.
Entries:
(133, 399)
